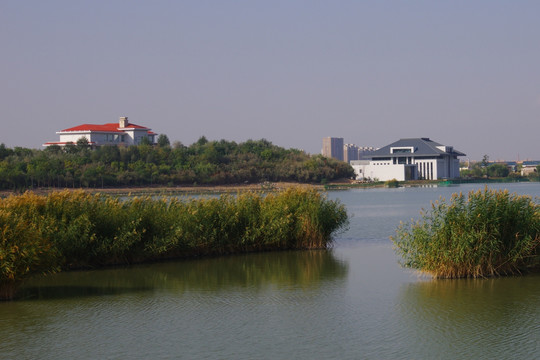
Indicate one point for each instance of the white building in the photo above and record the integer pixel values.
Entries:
(529, 167)
(120, 133)
(409, 159)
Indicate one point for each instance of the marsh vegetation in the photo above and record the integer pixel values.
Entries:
(70, 230)
(485, 233)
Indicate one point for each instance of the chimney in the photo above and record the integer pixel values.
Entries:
(123, 121)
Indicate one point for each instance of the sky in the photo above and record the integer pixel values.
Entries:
(463, 73)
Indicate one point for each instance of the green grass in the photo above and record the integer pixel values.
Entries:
(486, 233)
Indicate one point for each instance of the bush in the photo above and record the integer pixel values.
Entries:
(23, 252)
(391, 183)
(68, 230)
(485, 234)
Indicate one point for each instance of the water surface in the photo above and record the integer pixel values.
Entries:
(352, 302)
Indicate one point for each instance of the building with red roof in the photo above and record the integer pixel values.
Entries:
(120, 133)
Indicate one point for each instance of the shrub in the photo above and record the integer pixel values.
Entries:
(23, 252)
(485, 234)
(391, 183)
(70, 230)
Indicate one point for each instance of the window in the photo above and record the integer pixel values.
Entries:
(402, 150)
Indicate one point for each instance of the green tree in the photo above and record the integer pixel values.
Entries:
(498, 170)
(209, 162)
(4, 151)
(53, 149)
(145, 141)
(163, 141)
(485, 161)
(70, 148)
(90, 175)
(202, 141)
(82, 143)
(178, 145)
(106, 154)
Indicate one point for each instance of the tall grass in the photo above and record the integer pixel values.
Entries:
(68, 230)
(486, 233)
(23, 251)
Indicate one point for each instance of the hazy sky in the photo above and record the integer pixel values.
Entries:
(464, 73)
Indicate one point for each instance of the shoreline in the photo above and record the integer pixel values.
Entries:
(181, 189)
(258, 187)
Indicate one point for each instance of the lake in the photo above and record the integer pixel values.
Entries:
(351, 302)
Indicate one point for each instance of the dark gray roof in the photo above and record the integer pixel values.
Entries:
(422, 147)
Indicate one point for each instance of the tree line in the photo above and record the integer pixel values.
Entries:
(201, 163)
(487, 169)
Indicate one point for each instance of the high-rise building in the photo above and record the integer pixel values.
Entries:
(333, 147)
(353, 152)
(365, 151)
(350, 152)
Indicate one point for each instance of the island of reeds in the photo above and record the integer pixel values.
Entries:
(486, 233)
(72, 230)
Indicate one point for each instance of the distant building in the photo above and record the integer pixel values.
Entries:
(365, 151)
(512, 165)
(120, 133)
(352, 152)
(333, 147)
(529, 167)
(409, 159)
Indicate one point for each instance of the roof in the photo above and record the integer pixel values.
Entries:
(421, 146)
(110, 127)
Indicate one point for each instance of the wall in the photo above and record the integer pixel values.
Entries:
(384, 172)
(94, 137)
(425, 167)
(74, 137)
(133, 136)
(428, 169)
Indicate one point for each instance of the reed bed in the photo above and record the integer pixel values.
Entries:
(486, 233)
(69, 230)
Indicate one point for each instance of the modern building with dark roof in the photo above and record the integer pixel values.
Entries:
(410, 159)
(119, 133)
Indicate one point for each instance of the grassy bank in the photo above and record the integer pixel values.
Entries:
(75, 229)
(485, 233)
(184, 190)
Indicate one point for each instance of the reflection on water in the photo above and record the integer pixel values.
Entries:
(474, 318)
(187, 309)
(301, 269)
(353, 302)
